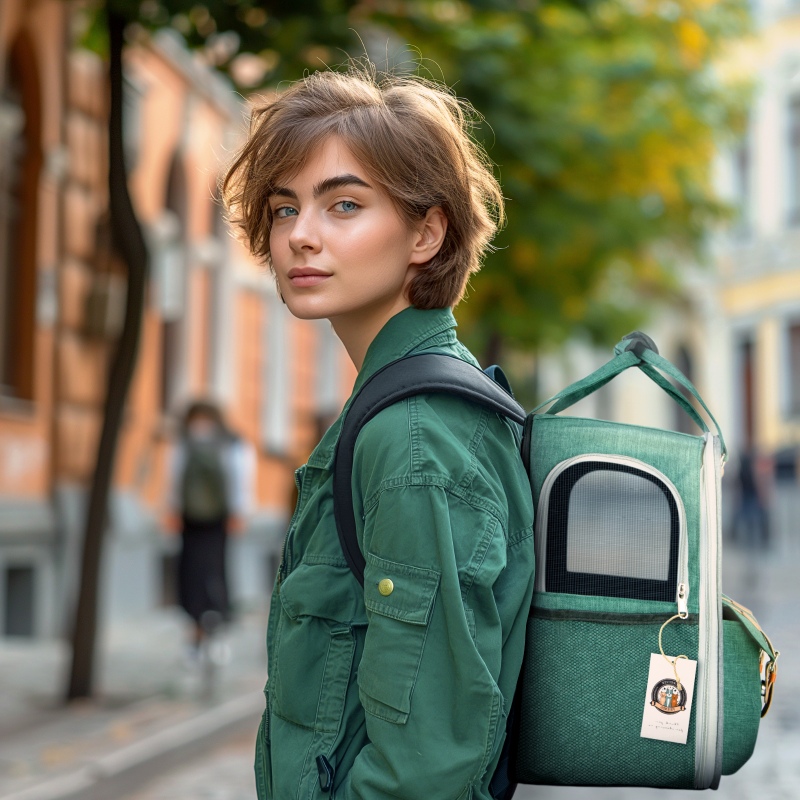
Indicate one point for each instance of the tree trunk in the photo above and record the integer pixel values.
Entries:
(494, 349)
(130, 246)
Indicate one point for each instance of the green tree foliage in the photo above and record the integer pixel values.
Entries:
(255, 43)
(601, 115)
(602, 118)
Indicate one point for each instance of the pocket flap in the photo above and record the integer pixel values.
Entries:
(399, 591)
(325, 591)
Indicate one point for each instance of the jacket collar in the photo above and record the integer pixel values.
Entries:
(406, 332)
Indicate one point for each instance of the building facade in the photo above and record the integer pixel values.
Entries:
(214, 326)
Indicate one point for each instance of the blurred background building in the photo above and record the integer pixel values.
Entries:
(214, 325)
(736, 331)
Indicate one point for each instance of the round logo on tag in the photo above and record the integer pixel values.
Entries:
(667, 697)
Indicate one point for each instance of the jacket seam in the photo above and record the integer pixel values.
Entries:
(480, 430)
(482, 549)
(438, 481)
(413, 432)
(440, 332)
(491, 738)
(477, 438)
(323, 559)
(517, 537)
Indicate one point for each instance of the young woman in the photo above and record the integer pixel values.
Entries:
(372, 206)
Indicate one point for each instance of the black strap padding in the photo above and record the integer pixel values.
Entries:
(426, 373)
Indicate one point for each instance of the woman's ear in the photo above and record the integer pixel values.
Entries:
(429, 235)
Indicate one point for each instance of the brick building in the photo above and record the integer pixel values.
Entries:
(213, 325)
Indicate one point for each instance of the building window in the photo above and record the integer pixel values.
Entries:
(794, 160)
(132, 94)
(20, 164)
(745, 390)
(276, 415)
(742, 185)
(172, 286)
(19, 601)
(216, 349)
(794, 369)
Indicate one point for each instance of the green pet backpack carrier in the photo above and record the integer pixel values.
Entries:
(627, 595)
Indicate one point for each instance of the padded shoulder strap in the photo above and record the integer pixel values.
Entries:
(421, 374)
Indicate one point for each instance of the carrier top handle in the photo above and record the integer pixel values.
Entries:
(637, 349)
(636, 342)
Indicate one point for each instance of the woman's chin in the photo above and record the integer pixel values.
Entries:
(304, 310)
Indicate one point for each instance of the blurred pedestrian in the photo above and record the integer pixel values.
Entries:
(210, 473)
(373, 206)
(751, 522)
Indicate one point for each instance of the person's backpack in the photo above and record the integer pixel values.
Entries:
(204, 490)
(627, 538)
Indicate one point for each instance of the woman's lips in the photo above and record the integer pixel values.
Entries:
(308, 280)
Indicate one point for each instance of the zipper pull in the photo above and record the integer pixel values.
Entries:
(326, 774)
(683, 605)
(281, 569)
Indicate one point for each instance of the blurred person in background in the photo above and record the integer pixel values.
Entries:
(209, 487)
(751, 522)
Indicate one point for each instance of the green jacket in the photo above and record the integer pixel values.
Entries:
(404, 691)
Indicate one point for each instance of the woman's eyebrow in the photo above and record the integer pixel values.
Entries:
(337, 182)
(327, 185)
(282, 191)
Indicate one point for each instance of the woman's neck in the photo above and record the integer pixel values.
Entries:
(358, 329)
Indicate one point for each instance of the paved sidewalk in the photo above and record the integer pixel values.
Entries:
(153, 706)
(152, 717)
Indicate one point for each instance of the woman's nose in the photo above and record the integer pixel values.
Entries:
(304, 235)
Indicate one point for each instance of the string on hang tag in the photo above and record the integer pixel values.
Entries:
(673, 662)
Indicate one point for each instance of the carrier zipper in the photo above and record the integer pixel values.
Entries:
(683, 606)
(707, 701)
(540, 545)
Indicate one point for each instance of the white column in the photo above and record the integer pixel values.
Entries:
(276, 412)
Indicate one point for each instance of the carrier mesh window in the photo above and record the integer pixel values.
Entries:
(612, 530)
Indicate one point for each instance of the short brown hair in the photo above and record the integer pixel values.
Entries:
(410, 134)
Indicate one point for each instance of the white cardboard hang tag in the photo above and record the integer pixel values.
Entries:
(667, 708)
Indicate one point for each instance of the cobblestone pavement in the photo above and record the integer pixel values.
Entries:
(225, 774)
(768, 584)
(147, 688)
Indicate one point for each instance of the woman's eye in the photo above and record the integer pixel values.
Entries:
(347, 206)
(285, 211)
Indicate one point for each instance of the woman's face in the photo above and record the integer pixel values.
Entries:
(339, 247)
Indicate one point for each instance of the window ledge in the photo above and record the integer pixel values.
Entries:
(16, 407)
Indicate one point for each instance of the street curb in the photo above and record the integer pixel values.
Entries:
(124, 769)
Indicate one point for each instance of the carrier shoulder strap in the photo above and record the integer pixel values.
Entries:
(419, 374)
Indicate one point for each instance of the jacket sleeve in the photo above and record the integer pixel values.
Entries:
(428, 675)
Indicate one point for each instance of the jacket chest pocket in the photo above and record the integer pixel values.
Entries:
(314, 645)
(399, 599)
